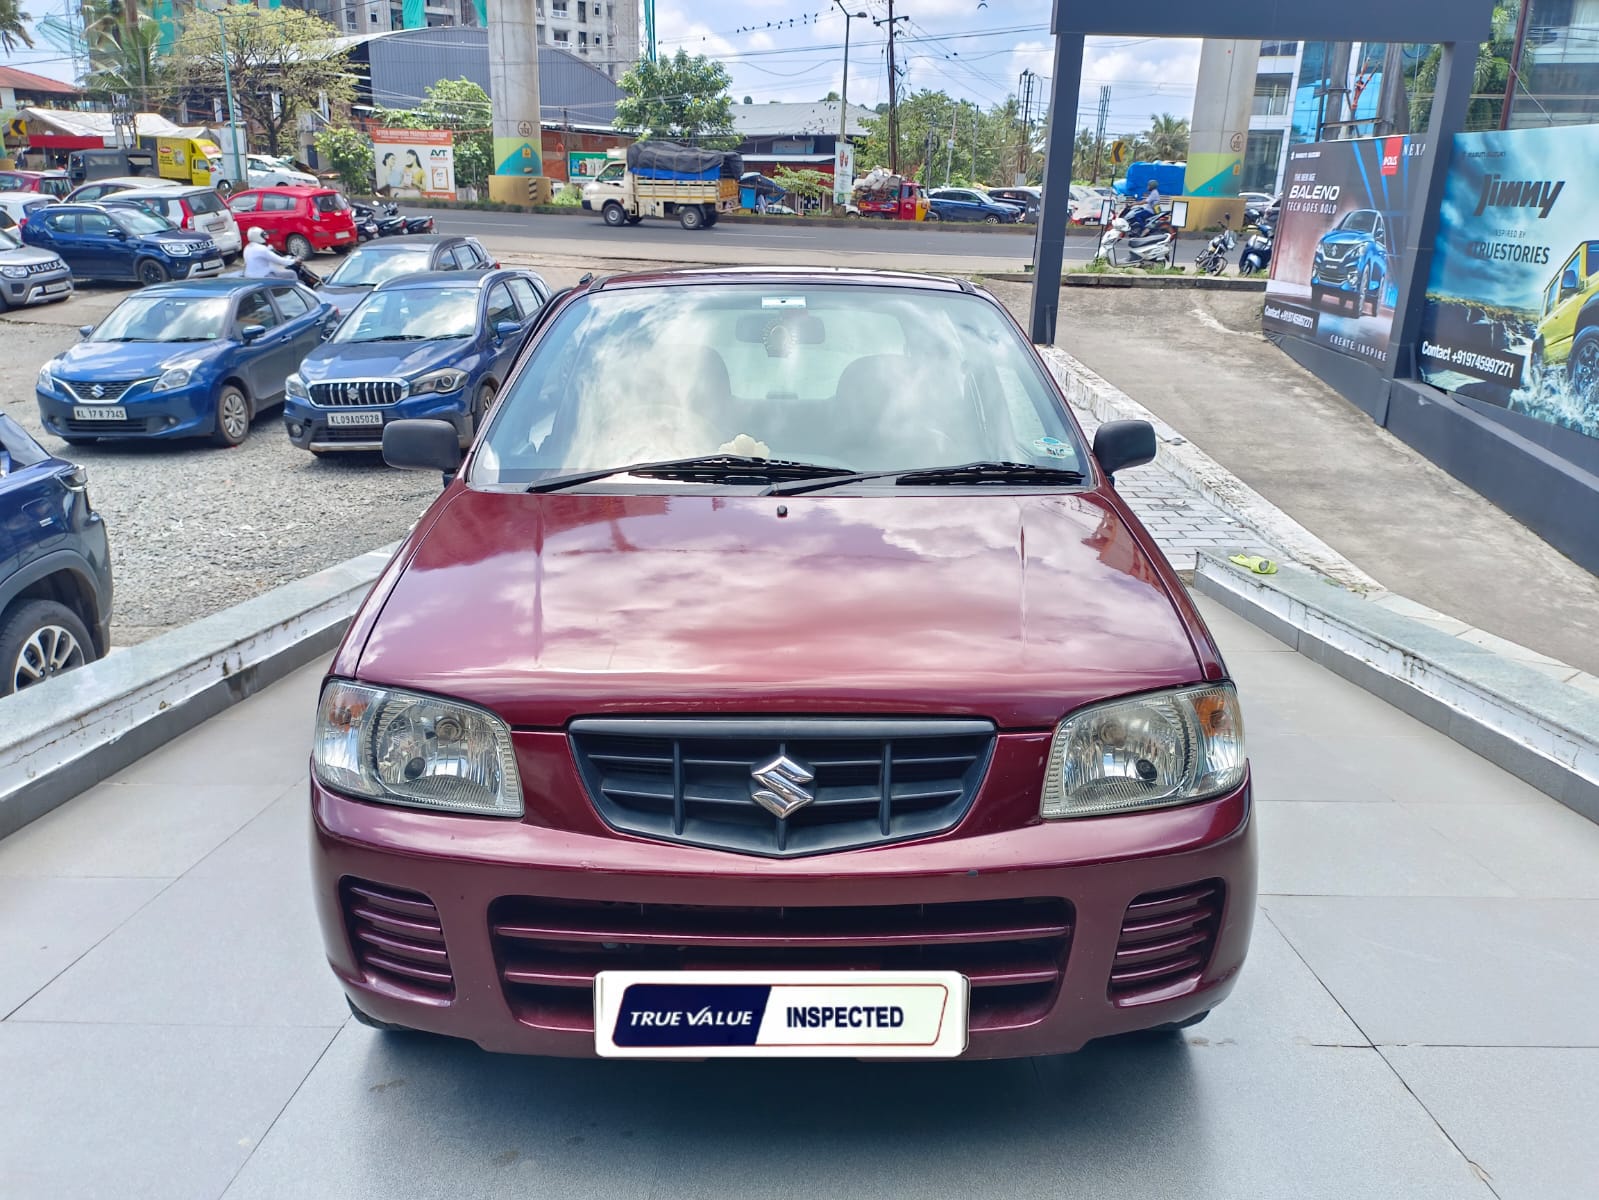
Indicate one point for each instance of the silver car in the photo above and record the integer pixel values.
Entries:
(29, 275)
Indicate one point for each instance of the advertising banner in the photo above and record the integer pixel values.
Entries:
(1512, 315)
(1335, 268)
(843, 172)
(414, 162)
(583, 165)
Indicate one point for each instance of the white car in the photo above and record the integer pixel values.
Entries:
(265, 171)
(17, 205)
(201, 209)
(98, 189)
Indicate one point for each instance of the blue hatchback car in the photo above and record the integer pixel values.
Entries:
(183, 360)
(122, 243)
(1351, 261)
(436, 344)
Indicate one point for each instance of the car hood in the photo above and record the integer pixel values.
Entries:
(26, 256)
(368, 360)
(1346, 237)
(99, 361)
(548, 607)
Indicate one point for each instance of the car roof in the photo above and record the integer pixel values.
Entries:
(423, 279)
(779, 276)
(132, 181)
(221, 285)
(181, 190)
(290, 189)
(411, 240)
(45, 196)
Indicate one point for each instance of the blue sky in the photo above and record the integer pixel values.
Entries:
(793, 50)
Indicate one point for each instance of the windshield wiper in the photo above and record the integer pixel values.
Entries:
(393, 337)
(716, 468)
(974, 472)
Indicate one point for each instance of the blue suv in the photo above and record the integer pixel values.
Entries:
(122, 243)
(55, 565)
(1352, 261)
(436, 344)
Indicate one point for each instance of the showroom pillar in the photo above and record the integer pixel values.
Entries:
(1223, 98)
(514, 89)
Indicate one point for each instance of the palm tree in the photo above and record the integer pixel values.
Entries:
(1167, 137)
(132, 65)
(13, 27)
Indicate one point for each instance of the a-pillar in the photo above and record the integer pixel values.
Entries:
(514, 89)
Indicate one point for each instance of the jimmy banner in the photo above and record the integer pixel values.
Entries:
(1512, 315)
(1336, 264)
(414, 162)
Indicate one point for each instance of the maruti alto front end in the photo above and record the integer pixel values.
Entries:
(780, 660)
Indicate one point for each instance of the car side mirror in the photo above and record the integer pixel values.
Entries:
(1122, 444)
(504, 330)
(1568, 283)
(84, 331)
(251, 332)
(421, 445)
(119, 233)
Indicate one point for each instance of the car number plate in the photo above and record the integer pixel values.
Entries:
(355, 418)
(51, 289)
(211, 264)
(780, 1014)
(103, 412)
(342, 234)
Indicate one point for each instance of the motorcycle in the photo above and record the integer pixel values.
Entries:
(1146, 250)
(1212, 259)
(1257, 250)
(366, 222)
(1144, 223)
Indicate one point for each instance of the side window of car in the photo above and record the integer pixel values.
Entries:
(527, 298)
(62, 222)
(291, 302)
(450, 259)
(471, 255)
(246, 203)
(275, 203)
(95, 223)
(501, 306)
(256, 309)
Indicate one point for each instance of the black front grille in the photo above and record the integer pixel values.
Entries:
(108, 428)
(45, 268)
(1166, 942)
(350, 433)
(97, 391)
(855, 782)
(357, 393)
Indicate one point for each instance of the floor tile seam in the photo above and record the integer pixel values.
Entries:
(1477, 1168)
(88, 950)
(282, 1108)
(296, 786)
(102, 1023)
(1314, 974)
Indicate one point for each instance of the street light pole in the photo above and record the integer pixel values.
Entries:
(843, 104)
(227, 83)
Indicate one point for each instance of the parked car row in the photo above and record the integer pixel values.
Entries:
(423, 326)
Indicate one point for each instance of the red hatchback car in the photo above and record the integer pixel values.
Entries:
(780, 674)
(297, 220)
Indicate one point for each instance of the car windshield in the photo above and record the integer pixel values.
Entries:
(411, 314)
(369, 267)
(855, 377)
(1363, 221)
(164, 319)
(138, 220)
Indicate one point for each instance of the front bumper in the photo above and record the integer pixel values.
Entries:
(37, 289)
(473, 879)
(308, 428)
(1342, 275)
(179, 413)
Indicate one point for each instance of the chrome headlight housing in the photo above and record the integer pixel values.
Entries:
(179, 249)
(294, 388)
(1145, 752)
(14, 272)
(175, 376)
(439, 382)
(398, 747)
(46, 381)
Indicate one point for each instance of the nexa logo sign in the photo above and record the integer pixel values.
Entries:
(1516, 193)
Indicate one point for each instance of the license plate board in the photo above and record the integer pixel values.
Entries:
(99, 412)
(341, 234)
(780, 1014)
(211, 264)
(50, 289)
(355, 418)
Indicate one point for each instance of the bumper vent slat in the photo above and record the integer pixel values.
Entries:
(1166, 942)
(866, 781)
(1013, 951)
(398, 938)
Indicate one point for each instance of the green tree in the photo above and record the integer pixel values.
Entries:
(1167, 138)
(464, 108)
(282, 60)
(131, 64)
(812, 185)
(1490, 75)
(988, 144)
(13, 27)
(680, 99)
(348, 154)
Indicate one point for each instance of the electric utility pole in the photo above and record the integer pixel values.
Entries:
(893, 89)
(1024, 97)
(1099, 131)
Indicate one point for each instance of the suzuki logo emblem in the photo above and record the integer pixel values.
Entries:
(784, 783)
(97, 391)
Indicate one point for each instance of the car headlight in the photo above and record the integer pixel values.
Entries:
(438, 381)
(397, 747)
(294, 388)
(46, 381)
(176, 375)
(1145, 752)
(178, 249)
(14, 272)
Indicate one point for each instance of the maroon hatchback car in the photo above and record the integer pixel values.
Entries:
(780, 674)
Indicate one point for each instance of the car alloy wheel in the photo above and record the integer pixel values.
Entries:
(1584, 368)
(48, 652)
(42, 639)
(299, 246)
(991, 219)
(615, 215)
(233, 416)
(152, 272)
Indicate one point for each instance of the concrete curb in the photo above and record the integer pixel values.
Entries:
(65, 737)
(1541, 730)
(1087, 279)
(1182, 459)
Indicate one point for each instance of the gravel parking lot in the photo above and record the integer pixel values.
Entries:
(195, 528)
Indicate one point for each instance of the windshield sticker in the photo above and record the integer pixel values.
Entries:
(1053, 447)
(782, 301)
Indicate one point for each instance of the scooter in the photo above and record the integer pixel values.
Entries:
(1212, 259)
(1149, 250)
(366, 222)
(1257, 250)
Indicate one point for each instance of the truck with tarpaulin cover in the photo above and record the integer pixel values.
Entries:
(664, 179)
